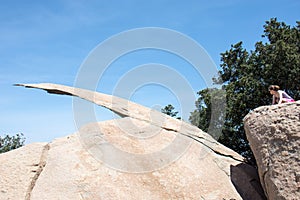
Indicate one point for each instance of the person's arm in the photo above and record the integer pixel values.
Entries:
(280, 97)
(273, 101)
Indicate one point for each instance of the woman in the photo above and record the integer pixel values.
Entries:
(279, 96)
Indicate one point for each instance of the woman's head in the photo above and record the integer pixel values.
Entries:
(274, 87)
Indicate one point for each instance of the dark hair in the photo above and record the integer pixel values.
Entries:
(274, 87)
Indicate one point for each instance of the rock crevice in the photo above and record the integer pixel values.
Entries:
(40, 167)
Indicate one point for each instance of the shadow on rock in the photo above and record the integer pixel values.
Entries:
(246, 181)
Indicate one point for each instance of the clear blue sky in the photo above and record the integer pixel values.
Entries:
(47, 41)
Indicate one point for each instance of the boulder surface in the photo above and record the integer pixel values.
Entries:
(274, 136)
(143, 155)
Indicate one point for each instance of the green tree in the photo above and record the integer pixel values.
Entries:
(8, 143)
(169, 110)
(246, 76)
(210, 111)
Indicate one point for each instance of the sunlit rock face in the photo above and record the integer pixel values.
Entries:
(142, 155)
(274, 136)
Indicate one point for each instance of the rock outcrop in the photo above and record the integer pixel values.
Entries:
(127, 158)
(274, 136)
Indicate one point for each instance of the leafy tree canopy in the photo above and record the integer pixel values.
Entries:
(245, 76)
(169, 110)
(8, 143)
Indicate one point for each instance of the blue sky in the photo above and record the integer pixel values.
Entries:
(47, 41)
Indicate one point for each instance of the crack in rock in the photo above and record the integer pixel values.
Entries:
(264, 182)
(212, 149)
(38, 171)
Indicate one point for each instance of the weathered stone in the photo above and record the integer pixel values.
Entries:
(131, 158)
(274, 136)
(72, 172)
(19, 169)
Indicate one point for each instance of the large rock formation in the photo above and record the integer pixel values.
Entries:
(127, 158)
(274, 136)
